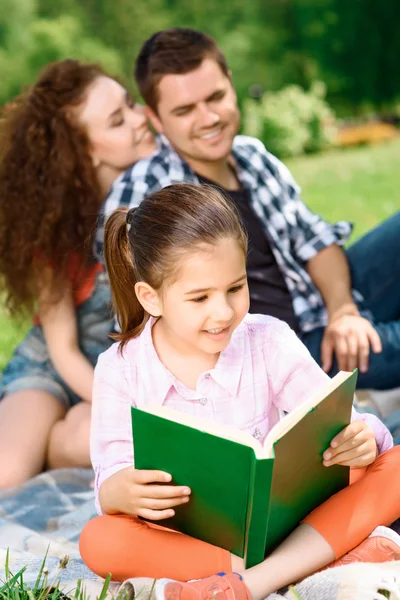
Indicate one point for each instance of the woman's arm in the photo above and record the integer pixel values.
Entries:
(60, 330)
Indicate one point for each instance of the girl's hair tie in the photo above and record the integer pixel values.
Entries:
(129, 218)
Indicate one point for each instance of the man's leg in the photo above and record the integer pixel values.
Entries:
(375, 269)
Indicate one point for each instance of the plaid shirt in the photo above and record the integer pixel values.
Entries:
(294, 232)
(264, 370)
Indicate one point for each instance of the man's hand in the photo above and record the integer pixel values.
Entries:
(349, 336)
(141, 493)
(354, 446)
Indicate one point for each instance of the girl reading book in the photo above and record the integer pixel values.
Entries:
(178, 279)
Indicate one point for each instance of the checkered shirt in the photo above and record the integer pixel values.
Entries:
(294, 232)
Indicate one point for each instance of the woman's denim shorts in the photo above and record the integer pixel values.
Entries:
(31, 368)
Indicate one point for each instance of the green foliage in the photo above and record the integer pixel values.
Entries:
(54, 39)
(291, 121)
(28, 43)
(352, 46)
(15, 588)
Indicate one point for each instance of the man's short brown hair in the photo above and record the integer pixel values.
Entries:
(173, 52)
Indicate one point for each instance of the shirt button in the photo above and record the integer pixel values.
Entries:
(207, 376)
(257, 434)
(203, 401)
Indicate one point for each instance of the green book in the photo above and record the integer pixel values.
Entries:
(247, 496)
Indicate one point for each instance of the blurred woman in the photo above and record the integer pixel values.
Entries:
(63, 143)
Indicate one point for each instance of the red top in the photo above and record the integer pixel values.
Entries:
(82, 281)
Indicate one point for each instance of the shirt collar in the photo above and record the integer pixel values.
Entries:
(228, 370)
(245, 172)
(156, 377)
(226, 373)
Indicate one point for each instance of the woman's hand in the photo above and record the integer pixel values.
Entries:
(141, 493)
(354, 446)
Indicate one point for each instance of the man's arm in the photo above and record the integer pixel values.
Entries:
(309, 233)
(330, 273)
(316, 245)
(348, 334)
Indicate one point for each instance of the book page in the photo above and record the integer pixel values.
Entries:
(223, 431)
(279, 430)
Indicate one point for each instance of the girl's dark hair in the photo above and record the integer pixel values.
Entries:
(146, 243)
(49, 194)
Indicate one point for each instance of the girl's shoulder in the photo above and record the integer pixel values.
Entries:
(276, 340)
(265, 328)
(118, 358)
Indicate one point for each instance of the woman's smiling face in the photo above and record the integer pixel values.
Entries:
(116, 126)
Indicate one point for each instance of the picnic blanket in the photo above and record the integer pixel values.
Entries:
(47, 514)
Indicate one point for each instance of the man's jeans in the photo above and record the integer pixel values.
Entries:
(375, 271)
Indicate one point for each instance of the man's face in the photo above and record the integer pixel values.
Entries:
(198, 113)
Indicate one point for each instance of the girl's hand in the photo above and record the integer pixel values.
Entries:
(141, 493)
(355, 446)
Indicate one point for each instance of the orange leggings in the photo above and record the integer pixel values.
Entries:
(128, 547)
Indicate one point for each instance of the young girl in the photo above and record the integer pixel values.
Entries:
(177, 268)
(63, 143)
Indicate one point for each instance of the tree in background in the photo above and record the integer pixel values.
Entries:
(350, 45)
(353, 46)
(28, 42)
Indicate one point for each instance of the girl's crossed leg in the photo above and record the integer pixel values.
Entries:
(128, 547)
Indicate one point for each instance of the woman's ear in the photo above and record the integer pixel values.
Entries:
(95, 161)
(148, 298)
(154, 120)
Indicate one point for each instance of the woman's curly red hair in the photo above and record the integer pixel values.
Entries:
(49, 194)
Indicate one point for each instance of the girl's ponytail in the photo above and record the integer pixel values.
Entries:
(130, 314)
(148, 243)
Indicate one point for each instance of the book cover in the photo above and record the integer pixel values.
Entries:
(246, 499)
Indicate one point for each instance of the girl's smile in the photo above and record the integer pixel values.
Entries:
(219, 334)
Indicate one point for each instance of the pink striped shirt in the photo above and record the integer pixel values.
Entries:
(264, 370)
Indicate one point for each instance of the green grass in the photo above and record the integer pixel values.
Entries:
(13, 587)
(10, 334)
(359, 184)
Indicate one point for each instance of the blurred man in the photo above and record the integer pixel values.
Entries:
(344, 305)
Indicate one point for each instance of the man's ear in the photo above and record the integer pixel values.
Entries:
(148, 298)
(154, 120)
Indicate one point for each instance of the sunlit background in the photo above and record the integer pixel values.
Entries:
(318, 81)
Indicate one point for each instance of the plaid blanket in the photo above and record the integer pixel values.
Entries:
(48, 512)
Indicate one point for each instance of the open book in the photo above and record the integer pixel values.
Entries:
(247, 496)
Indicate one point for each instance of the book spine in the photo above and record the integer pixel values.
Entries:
(258, 510)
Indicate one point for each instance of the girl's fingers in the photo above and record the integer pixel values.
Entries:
(350, 437)
(359, 462)
(157, 505)
(350, 444)
(360, 455)
(155, 515)
(142, 476)
(164, 491)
